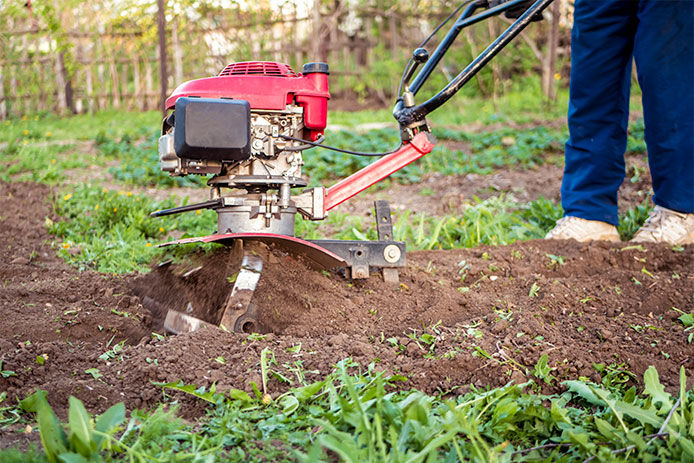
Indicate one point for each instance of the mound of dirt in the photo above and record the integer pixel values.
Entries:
(489, 313)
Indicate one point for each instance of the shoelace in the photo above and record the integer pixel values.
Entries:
(562, 225)
(656, 221)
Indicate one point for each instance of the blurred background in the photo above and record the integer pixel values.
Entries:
(68, 56)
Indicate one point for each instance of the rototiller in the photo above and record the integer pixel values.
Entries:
(249, 127)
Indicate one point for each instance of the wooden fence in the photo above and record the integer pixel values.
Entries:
(120, 69)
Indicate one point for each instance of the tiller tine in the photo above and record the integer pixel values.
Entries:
(239, 314)
(178, 323)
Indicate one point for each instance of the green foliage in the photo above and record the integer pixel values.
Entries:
(356, 415)
(84, 440)
(687, 320)
(138, 161)
(632, 219)
(109, 124)
(636, 142)
(487, 151)
(42, 163)
(111, 231)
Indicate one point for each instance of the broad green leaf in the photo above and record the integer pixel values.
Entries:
(51, 430)
(559, 413)
(605, 397)
(190, 389)
(687, 446)
(289, 404)
(237, 394)
(642, 415)
(72, 458)
(656, 390)
(583, 391)
(78, 418)
(606, 429)
(580, 438)
(636, 440)
(306, 392)
(683, 393)
(111, 418)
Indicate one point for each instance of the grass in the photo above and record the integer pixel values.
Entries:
(355, 415)
(111, 231)
(487, 151)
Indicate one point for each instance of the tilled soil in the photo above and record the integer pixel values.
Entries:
(492, 312)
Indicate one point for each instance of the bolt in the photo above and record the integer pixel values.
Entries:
(360, 273)
(392, 253)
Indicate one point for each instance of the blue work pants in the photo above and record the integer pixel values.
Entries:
(606, 34)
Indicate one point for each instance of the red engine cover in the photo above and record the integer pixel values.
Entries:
(265, 85)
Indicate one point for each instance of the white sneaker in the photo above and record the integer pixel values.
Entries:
(666, 226)
(583, 230)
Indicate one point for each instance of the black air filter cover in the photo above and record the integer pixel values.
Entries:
(214, 129)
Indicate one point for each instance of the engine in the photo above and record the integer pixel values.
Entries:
(239, 127)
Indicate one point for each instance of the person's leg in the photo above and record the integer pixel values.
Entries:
(601, 52)
(664, 53)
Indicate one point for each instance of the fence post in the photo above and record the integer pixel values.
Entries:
(177, 53)
(163, 75)
(67, 85)
(60, 84)
(316, 31)
(552, 52)
(3, 106)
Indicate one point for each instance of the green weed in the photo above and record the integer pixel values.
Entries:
(356, 415)
(112, 232)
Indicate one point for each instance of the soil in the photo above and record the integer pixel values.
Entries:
(581, 304)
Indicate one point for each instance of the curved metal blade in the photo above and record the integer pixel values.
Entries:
(314, 254)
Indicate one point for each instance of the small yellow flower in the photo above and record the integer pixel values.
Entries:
(198, 212)
(36, 118)
(52, 161)
(96, 208)
(115, 209)
(161, 230)
(26, 132)
(48, 134)
(67, 196)
(121, 192)
(7, 122)
(24, 118)
(557, 76)
(129, 193)
(66, 245)
(149, 245)
(26, 142)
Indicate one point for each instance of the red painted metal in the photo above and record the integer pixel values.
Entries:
(359, 181)
(317, 255)
(265, 68)
(265, 85)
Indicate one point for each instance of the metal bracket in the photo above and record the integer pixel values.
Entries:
(384, 228)
(361, 256)
(384, 222)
